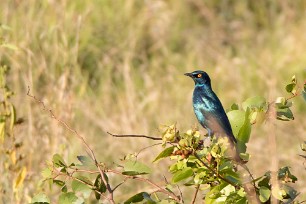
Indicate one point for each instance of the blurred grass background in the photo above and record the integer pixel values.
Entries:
(118, 66)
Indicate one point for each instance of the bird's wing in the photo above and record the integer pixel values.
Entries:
(219, 124)
(217, 120)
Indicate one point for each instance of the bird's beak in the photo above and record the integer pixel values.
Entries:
(188, 74)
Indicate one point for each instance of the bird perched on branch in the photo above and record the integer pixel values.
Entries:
(209, 110)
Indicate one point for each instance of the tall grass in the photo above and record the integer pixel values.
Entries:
(118, 66)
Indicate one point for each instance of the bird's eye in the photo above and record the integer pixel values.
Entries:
(199, 75)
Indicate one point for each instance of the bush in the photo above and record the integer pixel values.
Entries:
(198, 162)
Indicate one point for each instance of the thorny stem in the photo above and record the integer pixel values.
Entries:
(92, 155)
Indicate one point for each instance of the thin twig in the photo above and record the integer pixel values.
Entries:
(125, 179)
(181, 193)
(160, 189)
(92, 155)
(84, 170)
(195, 194)
(147, 148)
(144, 136)
(79, 180)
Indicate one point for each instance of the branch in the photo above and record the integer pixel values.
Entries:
(92, 155)
(160, 189)
(125, 179)
(145, 136)
(216, 173)
(181, 193)
(79, 180)
(141, 150)
(195, 194)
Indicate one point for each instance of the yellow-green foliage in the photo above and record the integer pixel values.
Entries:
(117, 65)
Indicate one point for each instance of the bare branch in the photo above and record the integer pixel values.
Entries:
(145, 136)
(125, 179)
(160, 189)
(181, 193)
(195, 194)
(147, 148)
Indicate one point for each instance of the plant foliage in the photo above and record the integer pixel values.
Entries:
(197, 161)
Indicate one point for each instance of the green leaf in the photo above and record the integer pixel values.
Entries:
(236, 118)
(13, 116)
(78, 186)
(86, 161)
(265, 180)
(227, 190)
(290, 88)
(136, 168)
(291, 192)
(214, 193)
(245, 130)
(2, 131)
(139, 197)
(304, 94)
(59, 182)
(40, 198)
(169, 133)
(264, 194)
(232, 176)
(285, 175)
(58, 161)
(293, 79)
(284, 114)
(64, 189)
(100, 186)
(242, 201)
(278, 193)
(80, 200)
(234, 106)
(67, 198)
(181, 175)
(18, 181)
(199, 177)
(303, 146)
(46, 173)
(244, 156)
(257, 117)
(254, 102)
(165, 153)
(280, 102)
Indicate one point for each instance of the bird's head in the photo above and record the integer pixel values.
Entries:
(199, 77)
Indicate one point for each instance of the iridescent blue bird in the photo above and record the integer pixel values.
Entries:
(209, 110)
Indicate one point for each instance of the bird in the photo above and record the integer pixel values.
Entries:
(209, 110)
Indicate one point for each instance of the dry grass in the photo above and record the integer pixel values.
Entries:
(118, 66)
